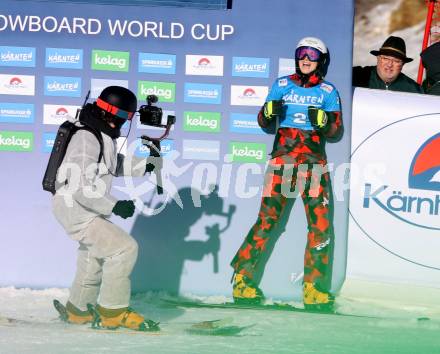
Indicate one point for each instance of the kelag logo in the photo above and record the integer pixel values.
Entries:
(97, 85)
(403, 199)
(16, 112)
(244, 123)
(110, 60)
(202, 93)
(17, 56)
(62, 86)
(57, 114)
(143, 151)
(64, 58)
(424, 172)
(16, 141)
(201, 150)
(157, 63)
(248, 95)
(250, 67)
(166, 91)
(17, 85)
(48, 141)
(209, 65)
(202, 122)
(247, 152)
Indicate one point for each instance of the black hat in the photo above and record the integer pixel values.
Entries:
(394, 47)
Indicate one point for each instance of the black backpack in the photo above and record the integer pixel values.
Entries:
(64, 134)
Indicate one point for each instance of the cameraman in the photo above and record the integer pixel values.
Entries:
(106, 253)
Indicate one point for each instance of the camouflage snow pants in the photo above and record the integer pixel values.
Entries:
(287, 177)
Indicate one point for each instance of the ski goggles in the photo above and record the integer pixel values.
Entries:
(114, 110)
(309, 52)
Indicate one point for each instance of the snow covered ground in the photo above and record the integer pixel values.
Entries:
(401, 329)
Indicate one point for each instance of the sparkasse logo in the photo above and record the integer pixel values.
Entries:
(202, 122)
(16, 112)
(16, 141)
(110, 60)
(247, 152)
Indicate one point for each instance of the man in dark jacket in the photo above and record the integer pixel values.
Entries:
(387, 74)
(431, 61)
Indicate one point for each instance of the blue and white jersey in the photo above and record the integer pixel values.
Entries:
(297, 99)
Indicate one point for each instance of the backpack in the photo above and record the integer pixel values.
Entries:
(62, 139)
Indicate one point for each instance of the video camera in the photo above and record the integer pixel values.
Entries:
(152, 116)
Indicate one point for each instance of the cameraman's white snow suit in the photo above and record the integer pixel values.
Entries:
(106, 254)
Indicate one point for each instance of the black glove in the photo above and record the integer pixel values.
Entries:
(124, 208)
(149, 167)
(318, 118)
(273, 109)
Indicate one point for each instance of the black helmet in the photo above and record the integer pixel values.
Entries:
(118, 101)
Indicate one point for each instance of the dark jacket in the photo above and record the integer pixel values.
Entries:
(431, 62)
(367, 77)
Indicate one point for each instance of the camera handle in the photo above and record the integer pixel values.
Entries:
(154, 145)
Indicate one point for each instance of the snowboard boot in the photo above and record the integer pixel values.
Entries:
(245, 291)
(316, 300)
(75, 315)
(123, 317)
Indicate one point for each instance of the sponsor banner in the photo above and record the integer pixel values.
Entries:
(16, 141)
(157, 63)
(244, 123)
(17, 85)
(64, 58)
(166, 91)
(17, 56)
(250, 67)
(247, 152)
(202, 93)
(48, 141)
(16, 112)
(208, 65)
(110, 60)
(286, 67)
(208, 122)
(165, 115)
(248, 95)
(166, 146)
(97, 85)
(62, 86)
(201, 150)
(57, 114)
(395, 197)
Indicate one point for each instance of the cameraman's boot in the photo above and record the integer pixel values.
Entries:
(245, 291)
(316, 300)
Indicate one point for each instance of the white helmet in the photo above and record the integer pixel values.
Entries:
(314, 43)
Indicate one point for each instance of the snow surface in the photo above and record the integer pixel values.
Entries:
(401, 329)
